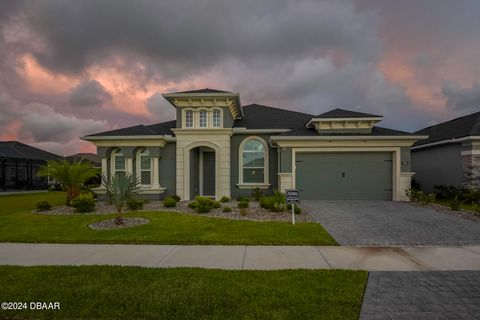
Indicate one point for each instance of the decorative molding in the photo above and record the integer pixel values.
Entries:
(253, 185)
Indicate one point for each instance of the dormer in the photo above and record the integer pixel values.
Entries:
(343, 121)
(205, 108)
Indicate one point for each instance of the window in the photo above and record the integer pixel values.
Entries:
(118, 162)
(145, 167)
(189, 119)
(216, 120)
(253, 161)
(203, 119)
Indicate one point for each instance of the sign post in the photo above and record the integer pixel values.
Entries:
(292, 196)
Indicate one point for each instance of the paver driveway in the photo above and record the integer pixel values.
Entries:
(391, 224)
(422, 295)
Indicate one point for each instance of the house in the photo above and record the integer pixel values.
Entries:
(217, 147)
(19, 164)
(451, 154)
(89, 157)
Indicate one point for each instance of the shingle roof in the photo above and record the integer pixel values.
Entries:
(91, 157)
(141, 130)
(206, 90)
(468, 125)
(18, 150)
(263, 117)
(376, 131)
(342, 113)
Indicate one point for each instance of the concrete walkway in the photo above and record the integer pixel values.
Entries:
(245, 257)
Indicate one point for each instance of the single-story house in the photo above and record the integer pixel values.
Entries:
(89, 157)
(217, 147)
(19, 164)
(451, 154)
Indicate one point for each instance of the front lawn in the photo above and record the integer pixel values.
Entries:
(107, 292)
(18, 224)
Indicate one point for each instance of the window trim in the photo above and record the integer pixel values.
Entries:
(139, 169)
(185, 118)
(200, 118)
(220, 125)
(117, 152)
(245, 185)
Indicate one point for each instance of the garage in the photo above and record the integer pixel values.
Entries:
(344, 175)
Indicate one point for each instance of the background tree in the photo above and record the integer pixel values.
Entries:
(70, 175)
(121, 188)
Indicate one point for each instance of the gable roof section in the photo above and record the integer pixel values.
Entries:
(258, 116)
(18, 150)
(342, 113)
(206, 90)
(468, 125)
(90, 157)
(162, 128)
(376, 131)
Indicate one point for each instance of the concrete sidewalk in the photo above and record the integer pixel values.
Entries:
(245, 257)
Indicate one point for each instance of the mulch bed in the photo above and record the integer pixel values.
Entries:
(465, 214)
(254, 212)
(110, 224)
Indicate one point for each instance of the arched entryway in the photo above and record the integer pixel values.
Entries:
(201, 170)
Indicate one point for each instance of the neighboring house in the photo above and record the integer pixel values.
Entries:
(217, 147)
(19, 164)
(92, 158)
(451, 154)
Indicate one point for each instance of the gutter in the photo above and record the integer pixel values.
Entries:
(446, 141)
(326, 138)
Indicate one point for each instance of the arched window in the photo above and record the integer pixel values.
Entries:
(144, 166)
(203, 119)
(189, 119)
(253, 161)
(217, 118)
(118, 162)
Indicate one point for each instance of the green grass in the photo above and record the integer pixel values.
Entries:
(107, 292)
(18, 224)
(446, 203)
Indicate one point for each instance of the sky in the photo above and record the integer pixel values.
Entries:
(72, 68)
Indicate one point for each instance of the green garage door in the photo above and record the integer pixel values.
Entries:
(344, 176)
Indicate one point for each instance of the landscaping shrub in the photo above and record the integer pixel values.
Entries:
(169, 202)
(419, 196)
(243, 199)
(275, 203)
(455, 203)
(84, 203)
(463, 194)
(243, 204)
(135, 204)
(413, 194)
(297, 209)
(225, 199)
(43, 205)
(227, 209)
(216, 205)
(193, 205)
(427, 198)
(204, 204)
(257, 194)
(176, 197)
(476, 207)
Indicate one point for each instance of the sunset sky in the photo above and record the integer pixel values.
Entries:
(71, 68)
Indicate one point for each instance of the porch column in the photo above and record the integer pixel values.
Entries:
(104, 171)
(156, 173)
(128, 165)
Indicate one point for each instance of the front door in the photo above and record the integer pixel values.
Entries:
(208, 175)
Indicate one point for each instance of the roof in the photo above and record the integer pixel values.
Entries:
(342, 113)
(258, 116)
(19, 150)
(376, 131)
(206, 90)
(90, 157)
(162, 128)
(468, 125)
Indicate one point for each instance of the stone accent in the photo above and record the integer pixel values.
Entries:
(285, 181)
(471, 171)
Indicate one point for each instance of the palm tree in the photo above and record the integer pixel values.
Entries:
(120, 189)
(70, 175)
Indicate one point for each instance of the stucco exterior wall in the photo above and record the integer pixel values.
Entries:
(440, 165)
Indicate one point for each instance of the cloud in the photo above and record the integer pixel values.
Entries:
(159, 108)
(462, 99)
(89, 94)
